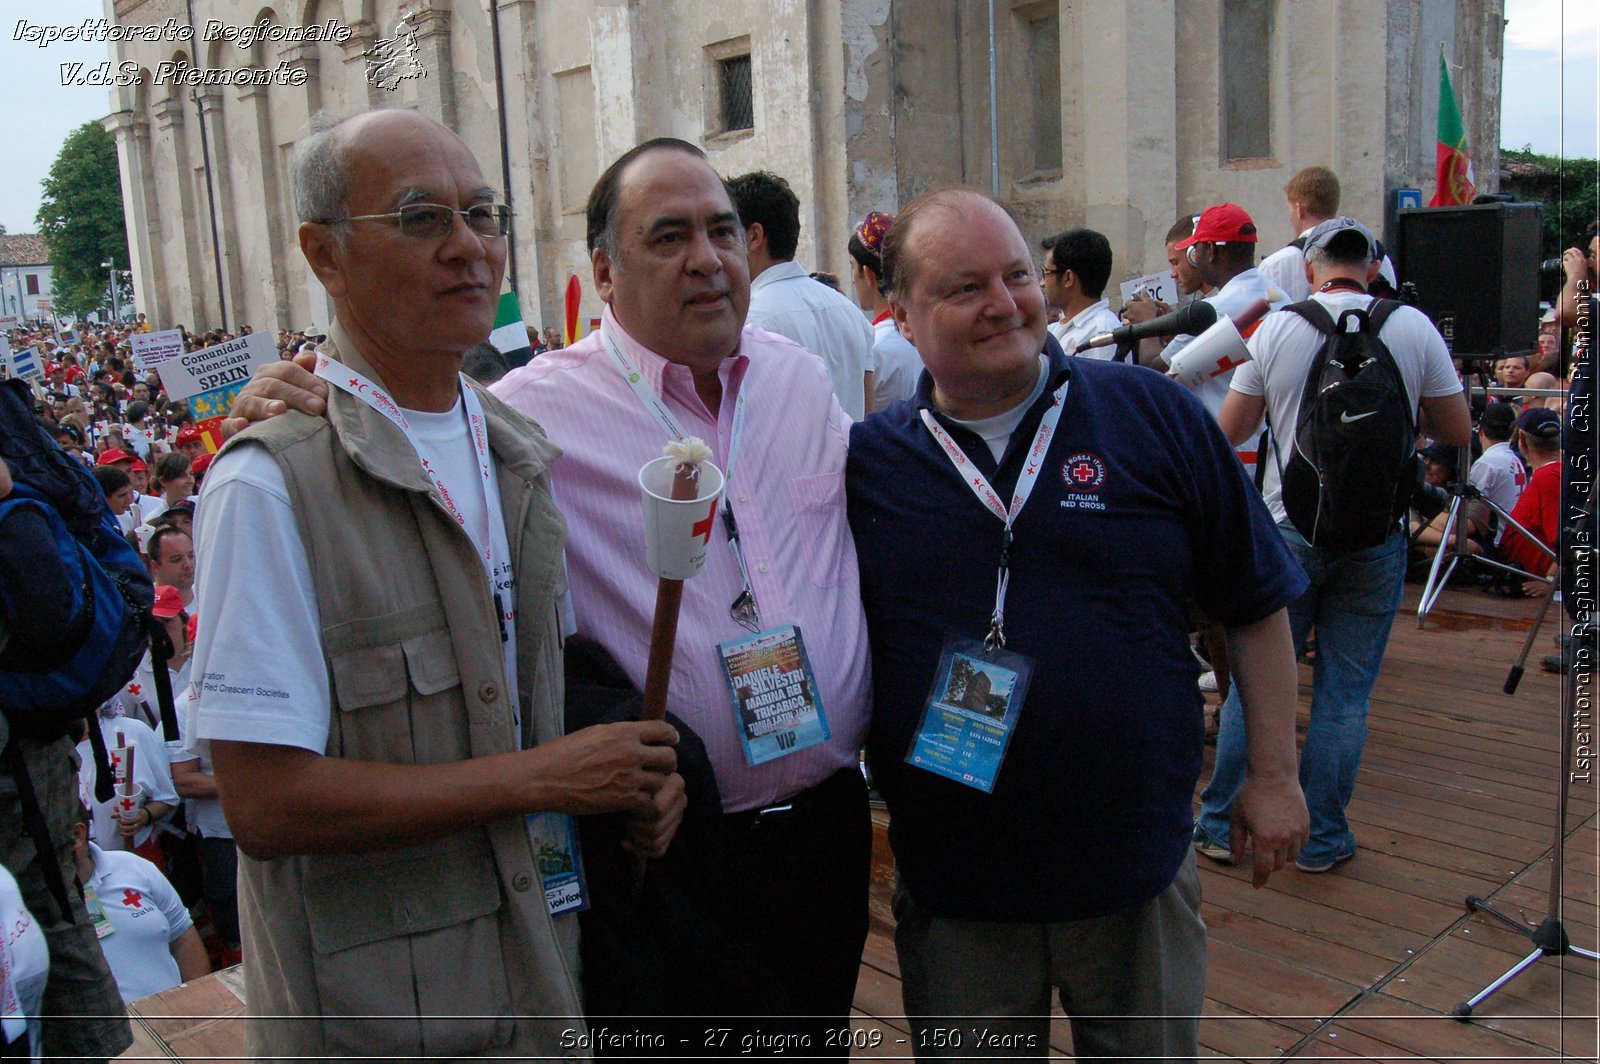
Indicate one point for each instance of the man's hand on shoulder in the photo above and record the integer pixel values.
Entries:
(277, 389)
(1270, 812)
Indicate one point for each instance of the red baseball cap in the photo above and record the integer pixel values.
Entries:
(138, 466)
(189, 434)
(169, 602)
(1226, 223)
(201, 463)
(113, 455)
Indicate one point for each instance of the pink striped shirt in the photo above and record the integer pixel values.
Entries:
(787, 491)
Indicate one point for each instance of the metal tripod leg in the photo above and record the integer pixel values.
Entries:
(1514, 677)
(1463, 1011)
(1437, 580)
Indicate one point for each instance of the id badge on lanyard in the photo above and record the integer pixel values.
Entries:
(775, 700)
(558, 857)
(776, 704)
(979, 686)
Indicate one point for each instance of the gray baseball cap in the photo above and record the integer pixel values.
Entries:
(1325, 233)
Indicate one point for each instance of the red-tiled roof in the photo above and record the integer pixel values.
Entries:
(24, 249)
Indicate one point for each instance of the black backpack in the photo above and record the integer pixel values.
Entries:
(74, 604)
(1352, 461)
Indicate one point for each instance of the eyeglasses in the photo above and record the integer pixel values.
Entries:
(433, 221)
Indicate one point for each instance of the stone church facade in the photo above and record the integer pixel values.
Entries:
(1115, 115)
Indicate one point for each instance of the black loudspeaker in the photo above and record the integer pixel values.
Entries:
(1477, 274)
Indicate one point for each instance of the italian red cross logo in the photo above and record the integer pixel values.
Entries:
(134, 689)
(1083, 472)
(702, 529)
(132, 899)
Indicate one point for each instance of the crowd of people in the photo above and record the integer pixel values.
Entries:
(374, 592)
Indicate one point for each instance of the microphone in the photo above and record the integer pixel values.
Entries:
(1219, 348)
(1193, 319)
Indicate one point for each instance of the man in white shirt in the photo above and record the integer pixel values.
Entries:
(1354, 593)
(1313, 198)
(1222, 248)
(1498, 473)
(785, 300)
(387, 735)
(1077, 265)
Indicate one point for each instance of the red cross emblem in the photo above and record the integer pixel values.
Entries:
(701, 530)
(134, 689)
(132, 899)
(126, 804)
(1083, 472)
(357, 385)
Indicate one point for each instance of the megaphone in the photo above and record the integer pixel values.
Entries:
(1217, 350)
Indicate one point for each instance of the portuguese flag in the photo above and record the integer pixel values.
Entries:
(1452, 164)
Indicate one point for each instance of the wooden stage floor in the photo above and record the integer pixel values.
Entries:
(1456, 796)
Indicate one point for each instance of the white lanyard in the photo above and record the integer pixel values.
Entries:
(980, 486)
(745, 610)
(657, 407)
(353, 383)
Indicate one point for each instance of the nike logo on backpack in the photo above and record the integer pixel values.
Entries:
(1347, 419)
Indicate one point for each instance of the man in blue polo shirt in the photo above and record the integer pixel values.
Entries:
(1029, 528)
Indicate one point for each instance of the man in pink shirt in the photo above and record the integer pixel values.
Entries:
(668, 255)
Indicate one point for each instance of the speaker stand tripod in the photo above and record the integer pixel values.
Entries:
(1549, 938)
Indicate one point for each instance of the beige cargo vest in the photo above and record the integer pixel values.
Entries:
(454, 930)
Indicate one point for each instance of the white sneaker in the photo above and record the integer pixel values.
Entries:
(1208, 682)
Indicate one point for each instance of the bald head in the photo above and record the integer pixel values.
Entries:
(966, 295)
(322, 165)
(900, 254)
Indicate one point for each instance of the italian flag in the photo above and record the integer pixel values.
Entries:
(1452, 164)
(510, 336)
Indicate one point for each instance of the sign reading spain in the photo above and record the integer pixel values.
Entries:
(214, 368)
(210, 379)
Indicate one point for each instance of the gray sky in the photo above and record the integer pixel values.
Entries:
(1549, 94)
(40, 111)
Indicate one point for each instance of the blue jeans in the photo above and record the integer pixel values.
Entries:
(1351, 602)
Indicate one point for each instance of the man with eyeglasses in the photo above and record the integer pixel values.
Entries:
(1077, 265)
(382, 700)
(673, 357)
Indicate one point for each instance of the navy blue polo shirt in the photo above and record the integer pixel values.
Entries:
(1141, 507)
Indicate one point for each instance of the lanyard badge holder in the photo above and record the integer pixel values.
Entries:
(774, 695)
(979, 686)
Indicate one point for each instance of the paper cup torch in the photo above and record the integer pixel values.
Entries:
(1218, 349)
(681, 491)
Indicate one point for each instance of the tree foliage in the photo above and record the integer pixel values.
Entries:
(80, 218)
(1566, 188)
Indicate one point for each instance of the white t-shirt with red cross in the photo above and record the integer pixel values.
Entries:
(146, 917)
